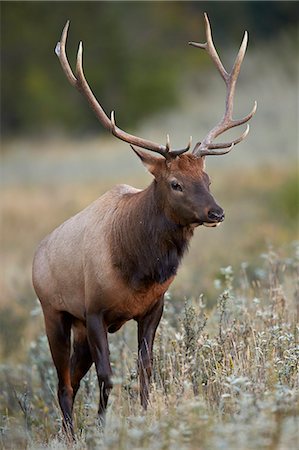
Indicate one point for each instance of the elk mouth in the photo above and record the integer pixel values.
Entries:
(211, 224)
(218, 219)
(205, 224)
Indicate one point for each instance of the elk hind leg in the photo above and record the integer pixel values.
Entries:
(58, 328)
(98, 343)
(81, 359)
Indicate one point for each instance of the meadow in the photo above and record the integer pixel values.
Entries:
(225, 378)
(226, 352)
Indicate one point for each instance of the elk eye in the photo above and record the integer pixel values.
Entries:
(176, 186)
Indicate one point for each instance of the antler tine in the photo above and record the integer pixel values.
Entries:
(210, 48)
(175, 153)
(227, 145)
(84, 88)
(215, 152)
(236, 123)
(82, 85)
(206, 147)
(60, 52)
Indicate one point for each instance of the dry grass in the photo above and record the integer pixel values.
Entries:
(229, 383)
(224, 379)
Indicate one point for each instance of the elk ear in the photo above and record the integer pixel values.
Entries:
(153, 164)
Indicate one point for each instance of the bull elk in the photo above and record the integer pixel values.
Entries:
(113, 261)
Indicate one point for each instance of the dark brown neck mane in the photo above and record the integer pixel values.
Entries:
(147, 247)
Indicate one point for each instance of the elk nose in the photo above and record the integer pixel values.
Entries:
(216, 215)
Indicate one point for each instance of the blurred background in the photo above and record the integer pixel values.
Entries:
(56, 158)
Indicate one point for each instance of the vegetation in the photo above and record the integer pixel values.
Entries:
(224, 379)
(144, 58)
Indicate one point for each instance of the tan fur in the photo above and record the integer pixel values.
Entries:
(72, 268)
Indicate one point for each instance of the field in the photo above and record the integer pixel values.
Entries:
(226, 354)
(226, 361)
(224, 378)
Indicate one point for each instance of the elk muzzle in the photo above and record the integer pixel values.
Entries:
(215, 216)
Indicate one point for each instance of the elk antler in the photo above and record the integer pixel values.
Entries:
(206, 147)
(79, 81)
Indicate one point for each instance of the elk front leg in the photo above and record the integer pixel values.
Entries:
(147, 327)
(98, 343)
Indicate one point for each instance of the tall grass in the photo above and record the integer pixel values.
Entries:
(225, 378)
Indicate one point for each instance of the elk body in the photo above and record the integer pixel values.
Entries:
(113, 261)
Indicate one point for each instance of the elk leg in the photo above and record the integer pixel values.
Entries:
(58, 328)
(98, 343)
(147, 327)
(81, 359)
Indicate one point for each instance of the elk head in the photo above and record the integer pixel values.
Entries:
(184, 189)
(182, 184)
